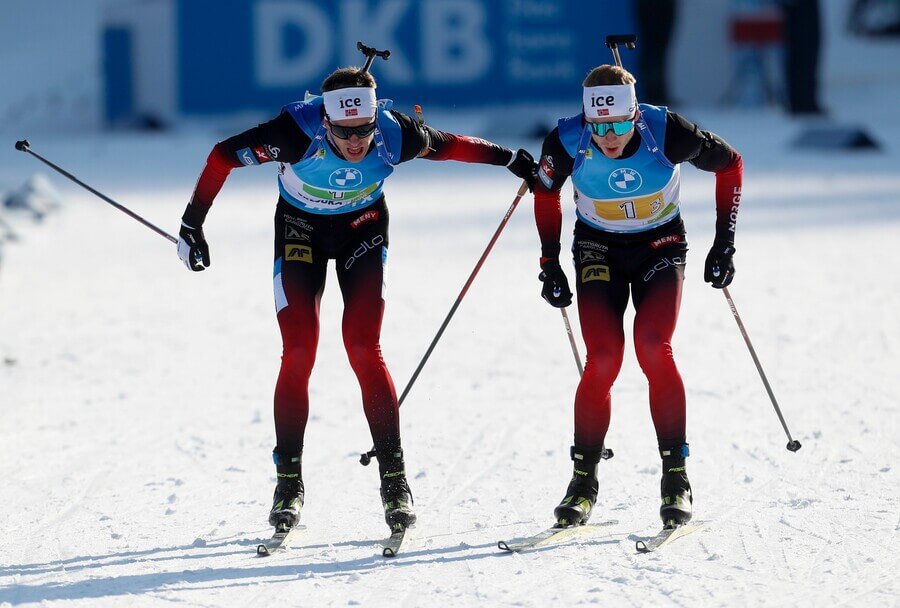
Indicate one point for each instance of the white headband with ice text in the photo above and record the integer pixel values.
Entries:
(609, 100)
(346, 104)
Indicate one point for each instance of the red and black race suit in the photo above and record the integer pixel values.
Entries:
(357, 241)
(649, 266)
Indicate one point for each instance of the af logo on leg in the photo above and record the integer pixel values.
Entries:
(595, 272)
(346, 177)
(298, 253)
(625, 180)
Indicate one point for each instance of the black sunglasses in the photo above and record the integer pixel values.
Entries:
(345, 132)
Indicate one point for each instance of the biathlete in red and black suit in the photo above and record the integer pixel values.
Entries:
(624, 159)
(334, 153)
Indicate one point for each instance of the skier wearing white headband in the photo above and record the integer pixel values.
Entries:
(333, 152)
(624, 160)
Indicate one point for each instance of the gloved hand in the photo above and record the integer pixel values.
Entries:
(192, 247)
(719, 266)
(523, 166)
(556, 286)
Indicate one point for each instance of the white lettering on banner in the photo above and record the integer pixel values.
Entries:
(376, 26)
(271, 20)
(454, 41)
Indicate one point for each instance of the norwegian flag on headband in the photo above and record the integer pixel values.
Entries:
(602, 112)
(351, 112)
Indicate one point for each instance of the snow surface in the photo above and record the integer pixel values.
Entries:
(136, 398)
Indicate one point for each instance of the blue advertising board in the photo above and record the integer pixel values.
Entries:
(237, 55)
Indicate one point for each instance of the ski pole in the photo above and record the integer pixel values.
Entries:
(565, 317)
(793, 445)
(605, 452)
(365, 459)
(24, 146)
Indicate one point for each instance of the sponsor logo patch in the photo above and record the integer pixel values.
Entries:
(246, 156)
(293, 234)
(298, 221)
(545, 172)
(346, 177)
(588, 256)
(602, 112)
(664, 263)
(625, 180)
(368, 216)
(261, 154)
(273, 151)
(666, 240)
(298, 253)
(592, 245)
(351, 112)
(364, 248)
(595, 272)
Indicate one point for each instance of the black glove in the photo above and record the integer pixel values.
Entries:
(719, 266)
(523, 166)
(192, 247)
(556, 286)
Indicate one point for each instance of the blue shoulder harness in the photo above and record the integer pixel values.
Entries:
(308, 116)
(575, 135)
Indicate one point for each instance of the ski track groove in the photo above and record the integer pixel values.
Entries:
(444, 496)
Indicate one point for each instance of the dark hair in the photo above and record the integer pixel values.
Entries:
(345, 78)
(608, 74)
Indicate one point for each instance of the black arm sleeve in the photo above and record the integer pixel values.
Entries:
(685, 141)
(414, 137)
(555, 164)
(280, 139)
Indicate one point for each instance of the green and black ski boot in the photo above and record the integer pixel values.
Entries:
(396, 497)
(288, 499)
(675, 489)
(575, 509)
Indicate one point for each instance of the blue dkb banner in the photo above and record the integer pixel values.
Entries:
(237, 55)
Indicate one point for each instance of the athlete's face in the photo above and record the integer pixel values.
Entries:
(355, 147)
(610, 144)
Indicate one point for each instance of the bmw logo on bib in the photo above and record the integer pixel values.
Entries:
(346, 177)
(625, 180)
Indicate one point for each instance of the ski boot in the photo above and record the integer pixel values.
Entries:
(575, 509)
(675, 489)
(396, 497)
(288, 499)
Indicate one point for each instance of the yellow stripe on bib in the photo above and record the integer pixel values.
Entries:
(639, 208)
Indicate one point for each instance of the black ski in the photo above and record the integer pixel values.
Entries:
(668, 534)
(396, 542)
(281, 539)
(553, 535)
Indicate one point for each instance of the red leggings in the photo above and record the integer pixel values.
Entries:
(300, 268)
(606, 273)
